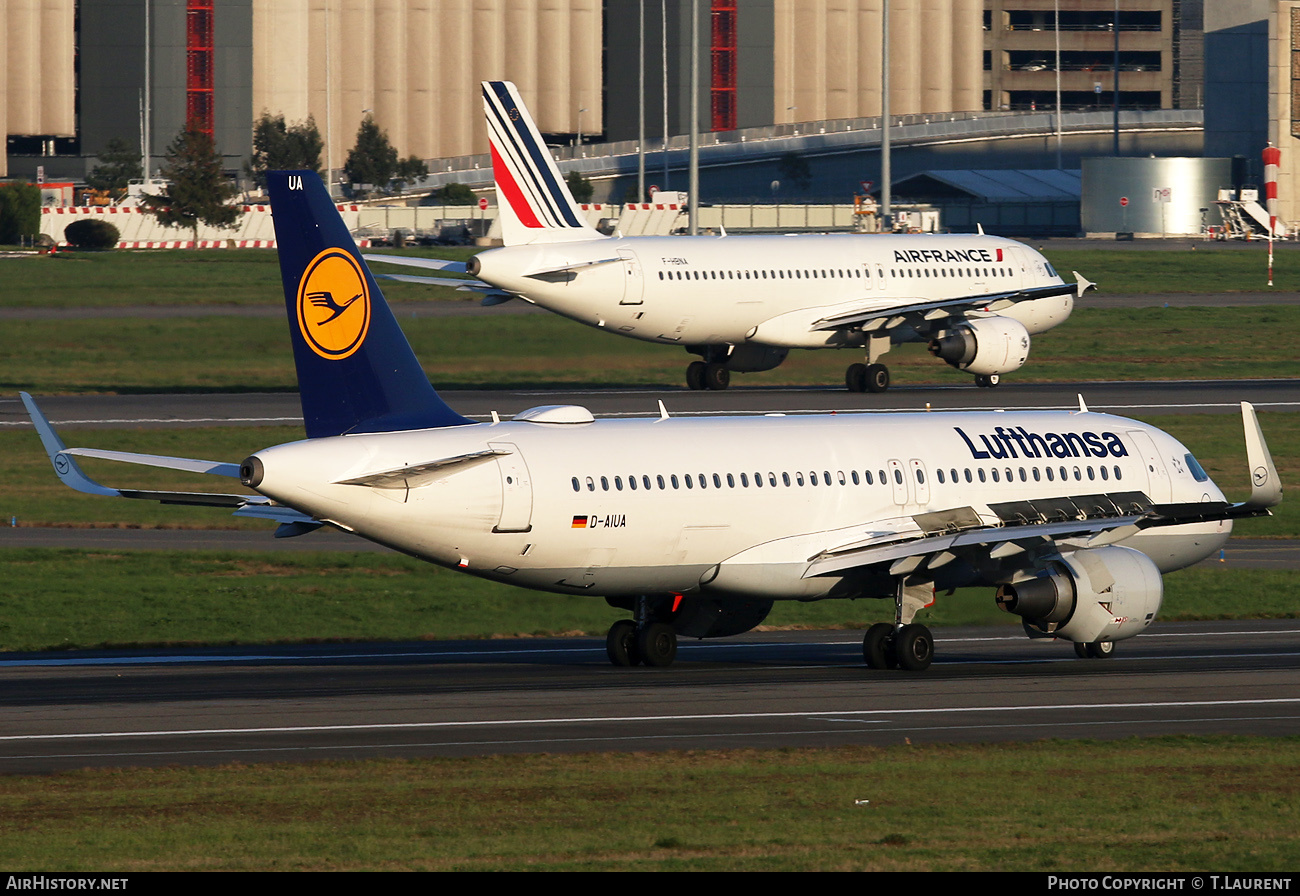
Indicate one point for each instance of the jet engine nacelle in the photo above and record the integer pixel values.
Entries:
(1099, 594)
(984, 346)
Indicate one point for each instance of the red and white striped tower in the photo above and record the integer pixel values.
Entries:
(1272, 158)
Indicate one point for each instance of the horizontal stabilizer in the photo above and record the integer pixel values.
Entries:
(434, 264)
(453, 282)
(415, 475)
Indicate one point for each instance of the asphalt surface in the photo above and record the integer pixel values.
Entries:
(761, 690)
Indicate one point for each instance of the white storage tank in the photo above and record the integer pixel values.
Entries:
(1151, 196)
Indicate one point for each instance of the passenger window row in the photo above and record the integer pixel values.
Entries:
(825, 478)
(819, 274)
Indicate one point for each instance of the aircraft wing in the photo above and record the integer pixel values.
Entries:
(70, 474)
(1046, 526)
(881, 319)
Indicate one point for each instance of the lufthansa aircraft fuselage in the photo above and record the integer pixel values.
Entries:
(734, 506)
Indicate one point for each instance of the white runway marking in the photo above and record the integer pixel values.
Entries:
(828, 715)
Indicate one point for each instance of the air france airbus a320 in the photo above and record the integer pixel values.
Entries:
(742, 302)
(696, 526)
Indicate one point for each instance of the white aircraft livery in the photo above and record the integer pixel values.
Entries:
(697, 526)
(742, 302)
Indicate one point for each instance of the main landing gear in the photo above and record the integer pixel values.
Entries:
(909, 647)
(867, 377)
(1097, 650)
(641, 643)
(700, 375)
(987, 382)
(904, 644)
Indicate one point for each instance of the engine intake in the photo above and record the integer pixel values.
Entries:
(984, 346)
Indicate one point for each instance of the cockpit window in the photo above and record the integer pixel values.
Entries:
(1198, 473)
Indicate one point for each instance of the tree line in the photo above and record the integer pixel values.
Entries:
(195, 187)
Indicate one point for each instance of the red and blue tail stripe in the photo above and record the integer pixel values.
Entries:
(534, 202)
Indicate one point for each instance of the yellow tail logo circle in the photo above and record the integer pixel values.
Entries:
(333, 305)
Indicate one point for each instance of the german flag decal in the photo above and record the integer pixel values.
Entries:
(579, 522)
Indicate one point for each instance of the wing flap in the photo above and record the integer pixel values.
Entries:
(888, 317)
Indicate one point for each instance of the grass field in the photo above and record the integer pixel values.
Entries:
(65, 599)
(224, 354)
(1174, 804)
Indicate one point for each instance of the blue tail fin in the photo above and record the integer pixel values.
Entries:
(356, 371)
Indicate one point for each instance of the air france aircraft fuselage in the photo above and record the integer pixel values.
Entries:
(743, 302)
(697, 526)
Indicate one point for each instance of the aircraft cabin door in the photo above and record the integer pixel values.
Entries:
(921, 480)
(1159, 488)
(516, 490)
(633, 278)
(897, 481)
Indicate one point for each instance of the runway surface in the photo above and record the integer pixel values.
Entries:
(225, 705)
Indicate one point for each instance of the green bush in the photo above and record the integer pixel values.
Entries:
(91, 233)
(20, 212)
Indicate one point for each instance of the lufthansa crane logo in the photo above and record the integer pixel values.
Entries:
(333, 305)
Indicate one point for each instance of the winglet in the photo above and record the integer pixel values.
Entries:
(1082, 284)
(64, 465)
(1265, 486)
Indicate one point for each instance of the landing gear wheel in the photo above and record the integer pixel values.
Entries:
(716, 377)
(1099, 650)
(877, 378)
(878, 647)
(657, 644)
(695, 375)
(987, 382)
(914, 647)
(620, 644)
(1096, 650)
(855, 378)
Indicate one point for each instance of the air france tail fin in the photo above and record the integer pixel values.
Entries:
(533, 201)
(356, 371)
